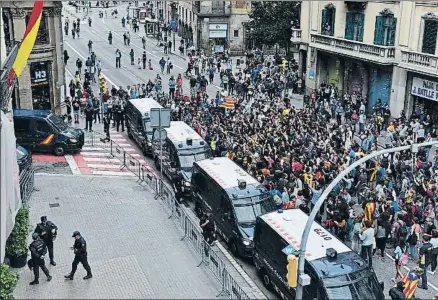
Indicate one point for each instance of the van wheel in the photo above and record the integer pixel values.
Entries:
(59, 150)
(234, 248)
(266, 279)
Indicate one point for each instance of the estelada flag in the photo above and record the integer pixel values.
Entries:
(28, 40)
(410, 283)
(228, 103)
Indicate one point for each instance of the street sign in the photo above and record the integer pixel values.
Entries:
(157, 136)
(160, 117)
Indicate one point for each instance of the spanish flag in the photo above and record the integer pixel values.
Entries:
(28, 40)
(228, 103)
(410, 282)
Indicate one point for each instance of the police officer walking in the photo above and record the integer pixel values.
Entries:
(119, 117)
(38, 249)
(80, 251)
(47, 232)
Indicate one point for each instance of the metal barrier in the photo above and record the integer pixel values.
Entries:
(27, 182)
(192, 231)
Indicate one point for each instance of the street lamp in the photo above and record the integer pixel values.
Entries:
(303, 245)
(175, 16)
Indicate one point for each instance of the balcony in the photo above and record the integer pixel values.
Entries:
(419, 62)
(211, 9)
(383, 55)
(296, 36)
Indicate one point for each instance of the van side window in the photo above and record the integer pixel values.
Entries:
(200, 180)
(21, 125)
(42, 126)
(225, 205)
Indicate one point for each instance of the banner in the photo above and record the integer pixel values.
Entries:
(425, 88)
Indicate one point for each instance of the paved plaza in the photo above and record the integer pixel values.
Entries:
(134, 250)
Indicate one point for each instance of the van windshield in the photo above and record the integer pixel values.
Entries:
(358, 285)
(58, 122)
(186, 160)
(247, 213)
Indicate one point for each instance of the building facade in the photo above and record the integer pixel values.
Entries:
(214, 26)
(383, 50)
(41, 84)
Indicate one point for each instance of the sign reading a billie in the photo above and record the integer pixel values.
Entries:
(425, 88)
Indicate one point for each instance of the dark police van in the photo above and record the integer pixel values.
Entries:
(234, 199)
(182, 147)
(138, 122)
(43, 131)
(335, 271)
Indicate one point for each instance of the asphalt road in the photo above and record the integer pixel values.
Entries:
(128, 75)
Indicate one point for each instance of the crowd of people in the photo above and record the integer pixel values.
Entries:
(389, 201)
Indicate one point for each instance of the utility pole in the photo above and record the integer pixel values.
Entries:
(303, 246)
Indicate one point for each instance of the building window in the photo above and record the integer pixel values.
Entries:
(384, 32)
(43, 32)
(328, 21)
(236, 33)
(429, 36)
(354, 26)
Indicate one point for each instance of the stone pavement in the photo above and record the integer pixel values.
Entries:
(135, 251)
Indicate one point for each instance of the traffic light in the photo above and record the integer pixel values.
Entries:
(292, 271)
(102, 84)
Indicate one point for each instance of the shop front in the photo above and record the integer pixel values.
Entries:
(330, 70)
(218, 37)
(40, 81)
(424, 93)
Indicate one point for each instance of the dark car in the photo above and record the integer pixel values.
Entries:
(43, 131)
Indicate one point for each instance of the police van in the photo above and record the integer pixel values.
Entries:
(233, 198)
(138, 122)
(182, 147)
(336, 272)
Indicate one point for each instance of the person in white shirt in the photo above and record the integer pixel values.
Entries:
(367, 237)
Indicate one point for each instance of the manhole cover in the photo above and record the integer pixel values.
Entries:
(51, 205)
(60, 164)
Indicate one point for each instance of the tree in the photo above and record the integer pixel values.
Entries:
(270, 22)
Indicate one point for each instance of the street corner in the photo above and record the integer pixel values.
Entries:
(47, 163)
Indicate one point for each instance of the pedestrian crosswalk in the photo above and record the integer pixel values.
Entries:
(96, 159)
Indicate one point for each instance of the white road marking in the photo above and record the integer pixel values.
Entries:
(103, 166)
(100, 159)
(87, 148)
(101, 154)
(112, 173)
(73, 165)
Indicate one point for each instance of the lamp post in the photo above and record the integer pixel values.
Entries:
(303, 245)
(175, 29)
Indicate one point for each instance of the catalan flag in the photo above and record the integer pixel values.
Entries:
(228, 103)
(369, 212)
(410, 283)
(28, 40)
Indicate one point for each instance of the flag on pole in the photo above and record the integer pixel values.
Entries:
(228, 103)
(28, 40)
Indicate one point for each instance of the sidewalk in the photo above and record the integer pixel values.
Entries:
(135, 251)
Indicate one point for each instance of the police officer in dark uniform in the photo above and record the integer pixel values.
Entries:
(47, 232)
(38, 249)
(80, 251)
(118, 111)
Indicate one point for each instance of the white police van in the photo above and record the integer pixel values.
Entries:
(234, 199)
(182, 147)
(336, 272)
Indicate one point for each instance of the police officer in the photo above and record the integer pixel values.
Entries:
(38, 249)
(118, 111)
(80, 251)
(47, 232)
(207, 224)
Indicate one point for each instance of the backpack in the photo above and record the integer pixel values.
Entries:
(402, 232)
(403, 260)
(413, 239)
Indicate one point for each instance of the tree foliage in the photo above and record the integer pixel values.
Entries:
(270, 22)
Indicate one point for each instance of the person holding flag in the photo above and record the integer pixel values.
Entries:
(410, 282)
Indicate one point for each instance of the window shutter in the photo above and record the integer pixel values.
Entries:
(379, 30)
(361, 26)
(349, 25)
(324, 19)
(429, 36)
(392, 30)
(333, 20)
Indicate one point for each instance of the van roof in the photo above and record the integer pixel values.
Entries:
(179, 132)
(144, 105)
(31, 113)
(290, 225)
(225, 172)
